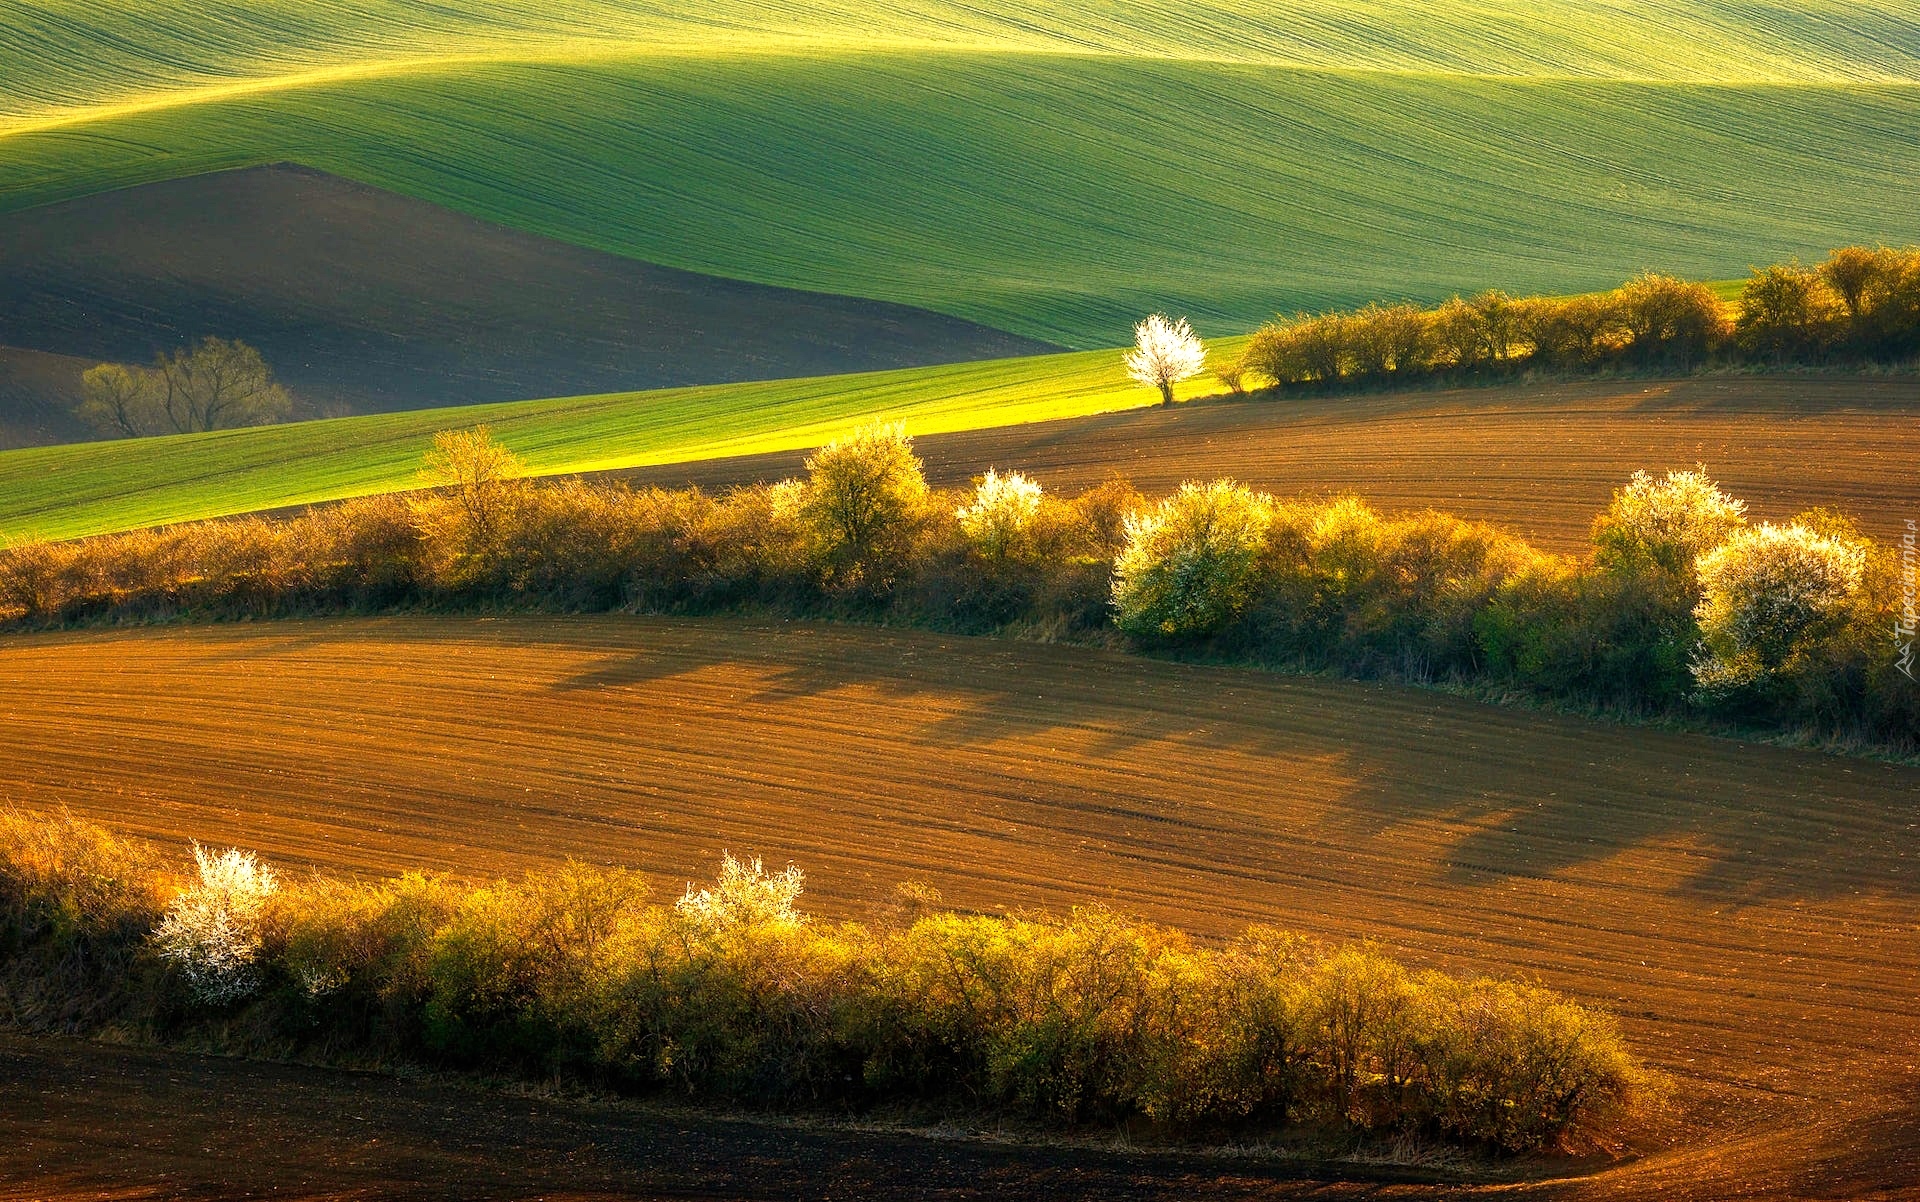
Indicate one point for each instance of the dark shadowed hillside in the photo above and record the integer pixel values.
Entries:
(368, 301)
(37, 394)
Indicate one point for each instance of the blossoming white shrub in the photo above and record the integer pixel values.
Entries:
(1191, 562)
(746, 896)
(1002, 511)
(1164, 353)
(211, 931)
(1766, 595)
(1669, 521)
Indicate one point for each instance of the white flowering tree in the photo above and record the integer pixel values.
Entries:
(1003, 509)
(211, 932)
(745, 896)
(1766, 595)
(1670, 522)
(1164, 353)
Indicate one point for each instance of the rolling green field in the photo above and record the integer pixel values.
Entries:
(92, 488)
(1048, 169)
(147, 51)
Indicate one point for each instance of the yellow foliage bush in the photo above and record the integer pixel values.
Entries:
(68, 875)
(1321, 583)
(1862, 302)
(732, 992)
(77, 903)
(863, 498)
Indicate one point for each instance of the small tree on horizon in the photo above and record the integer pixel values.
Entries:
(1164, 353)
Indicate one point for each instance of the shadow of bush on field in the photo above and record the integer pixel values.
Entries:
(1540, 796)
(1502, 795)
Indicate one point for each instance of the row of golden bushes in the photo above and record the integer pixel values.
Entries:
(732, 994)
(1860, 305)
(1681, 607)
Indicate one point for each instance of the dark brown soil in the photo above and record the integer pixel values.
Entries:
(38, 392)
(87, 1121)
(367, 301)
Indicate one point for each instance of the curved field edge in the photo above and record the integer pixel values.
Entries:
(1062, 196)
(1540, 458)
(90, 488)
(1744, 909)
(366, 301)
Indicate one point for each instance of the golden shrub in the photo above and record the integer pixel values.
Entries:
(732, 992)
(67, 875)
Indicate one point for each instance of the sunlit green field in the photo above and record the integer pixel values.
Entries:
(93, 488)
(65, 56)
(1048, 169)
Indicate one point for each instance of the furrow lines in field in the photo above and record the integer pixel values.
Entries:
(1650, 871)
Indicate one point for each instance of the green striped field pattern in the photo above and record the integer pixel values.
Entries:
(98, 487)
(1054, 169)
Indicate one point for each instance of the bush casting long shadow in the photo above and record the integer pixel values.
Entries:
(1681, 610)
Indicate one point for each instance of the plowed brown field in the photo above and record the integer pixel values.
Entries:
(1751, 913)
(1540, 458)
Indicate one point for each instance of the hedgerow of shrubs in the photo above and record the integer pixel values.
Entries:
(731, 994)
(1679, 609)
(1861, 305)
(76, 905)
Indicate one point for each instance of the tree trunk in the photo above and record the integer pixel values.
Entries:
(1166, 392)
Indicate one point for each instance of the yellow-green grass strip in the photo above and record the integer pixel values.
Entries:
(100, 487)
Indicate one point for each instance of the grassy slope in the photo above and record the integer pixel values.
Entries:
(89, 488)
(366, 301)
(1045, 172)
(73, 54)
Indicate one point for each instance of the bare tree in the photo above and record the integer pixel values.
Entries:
(121, 400)
(219, 384)
(214, 386)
